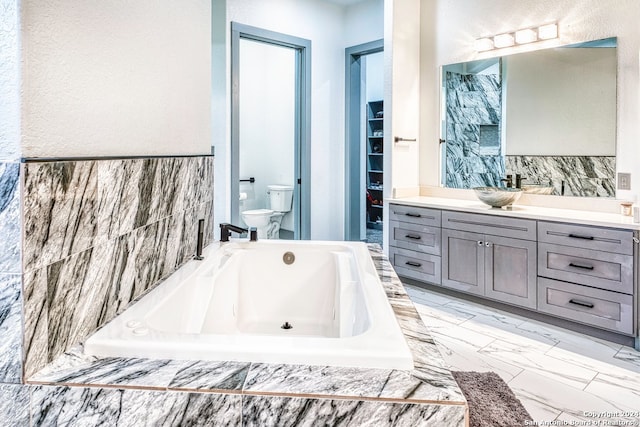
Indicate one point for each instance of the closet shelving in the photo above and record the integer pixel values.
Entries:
(375, 170)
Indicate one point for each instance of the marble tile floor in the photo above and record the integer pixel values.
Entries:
(558, 375)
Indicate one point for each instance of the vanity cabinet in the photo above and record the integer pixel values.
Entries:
(494, 264)
(414, 245)
(582, 273)
(586, 274)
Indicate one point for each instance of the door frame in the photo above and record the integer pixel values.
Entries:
(302, 145)
(354, 199)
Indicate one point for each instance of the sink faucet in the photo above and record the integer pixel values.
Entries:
(508, 180)
(519, 179)
(226, 229)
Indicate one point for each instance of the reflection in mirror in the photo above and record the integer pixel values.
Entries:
(547, 115)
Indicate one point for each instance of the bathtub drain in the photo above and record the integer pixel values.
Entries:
(288, 258)
(286, 325)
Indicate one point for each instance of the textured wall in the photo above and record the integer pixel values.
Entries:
(116, 78)
(9, 80)
(97, 235)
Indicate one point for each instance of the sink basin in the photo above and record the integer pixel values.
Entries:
(498, 197)
(537, 189)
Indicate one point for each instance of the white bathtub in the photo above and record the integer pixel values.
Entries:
(232, 306)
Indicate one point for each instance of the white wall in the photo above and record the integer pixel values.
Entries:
(324, 24)
(450, 27)
(116, 78)
(9, 80)
(374, 76)
(363, 22)
(402, 58)
(561, 102)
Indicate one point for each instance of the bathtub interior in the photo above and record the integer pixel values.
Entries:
(251, 290)
(263, 294)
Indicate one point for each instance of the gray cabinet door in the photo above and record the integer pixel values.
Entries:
(510, 271)
(496, 267)
(463, 261)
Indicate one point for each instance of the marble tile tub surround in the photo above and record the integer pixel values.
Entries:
(10, 277)
(99, 234)
(583, 176)
(10, 217)
(265, 394)
(10, 328)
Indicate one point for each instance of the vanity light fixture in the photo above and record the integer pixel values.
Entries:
(503, 40)
(549, 31)
(483, 44)
(524, 36)
(528, 35)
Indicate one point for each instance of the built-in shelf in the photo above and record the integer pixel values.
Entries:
(375, 155)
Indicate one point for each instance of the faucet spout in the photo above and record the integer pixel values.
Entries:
(226, 229)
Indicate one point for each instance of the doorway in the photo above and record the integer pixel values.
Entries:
(270, 132)
(364, 142)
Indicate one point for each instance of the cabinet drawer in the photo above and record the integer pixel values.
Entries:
(416, 265)
(604, 270)
(489, 224)
(584, 236)
(596, 307)
(415, 237)
(415, 215)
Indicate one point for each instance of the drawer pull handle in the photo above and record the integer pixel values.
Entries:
(578, 236)
(581, 303)
(413, 215)
(413, 236)
(584, 267)
(413, 264)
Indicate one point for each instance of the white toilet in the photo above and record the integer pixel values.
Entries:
(267, 221)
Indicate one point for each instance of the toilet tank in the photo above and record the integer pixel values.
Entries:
(280, 197)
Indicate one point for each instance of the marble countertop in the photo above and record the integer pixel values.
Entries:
(522, 211)
(430, 382)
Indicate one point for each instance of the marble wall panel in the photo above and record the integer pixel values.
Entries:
(590, 176)
(103, 233)
(77, 406)
(10, 328)
(10, 218)
(36, 314)
(266, 411)
(14, 405)
(59, 206)
(76, 296)
(138, 192)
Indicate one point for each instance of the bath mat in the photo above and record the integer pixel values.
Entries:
(491, 401)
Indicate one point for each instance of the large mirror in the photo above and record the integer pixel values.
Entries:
(547, 115)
